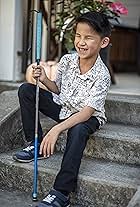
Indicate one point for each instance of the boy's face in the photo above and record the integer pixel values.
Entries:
(88, 42)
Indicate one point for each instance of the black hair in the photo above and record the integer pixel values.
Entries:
(98, 21)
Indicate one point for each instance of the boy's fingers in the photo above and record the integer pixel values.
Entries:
(41, 146)
(52, 149)
(37, 70)
(48, 149)
(45, 148)
(36, 67)
(40, 150)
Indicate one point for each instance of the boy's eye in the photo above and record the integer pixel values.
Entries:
(89, 38)
(77, 35)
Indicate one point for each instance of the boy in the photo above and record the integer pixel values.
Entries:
(77, 104)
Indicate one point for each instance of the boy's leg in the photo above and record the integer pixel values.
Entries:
(66, 179)
(77, 137)
(27, 93)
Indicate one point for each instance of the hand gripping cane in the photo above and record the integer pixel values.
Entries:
(38, 54)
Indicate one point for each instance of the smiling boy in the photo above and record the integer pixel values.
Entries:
(75, 100)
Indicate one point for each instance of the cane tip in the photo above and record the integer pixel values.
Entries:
(34, 197)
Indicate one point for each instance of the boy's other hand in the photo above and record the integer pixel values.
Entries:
(48, 143)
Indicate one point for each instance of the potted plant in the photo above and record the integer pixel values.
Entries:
(74, 8)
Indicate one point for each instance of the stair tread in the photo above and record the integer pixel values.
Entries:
(16, 198)
(120, 132)
(8, 103)
(124, 98)
(109, 130)
(91, 169)
(114, 142)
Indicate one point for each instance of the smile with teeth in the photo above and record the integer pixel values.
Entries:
(82, 49)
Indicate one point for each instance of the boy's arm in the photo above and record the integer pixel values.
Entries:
(39, 72)
(48, 143)
(51, 85)
(76, 118)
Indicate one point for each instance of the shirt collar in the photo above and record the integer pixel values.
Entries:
(95, 69)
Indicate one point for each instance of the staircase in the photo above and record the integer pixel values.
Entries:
(110, 170)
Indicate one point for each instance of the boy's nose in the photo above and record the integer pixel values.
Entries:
(82, 42)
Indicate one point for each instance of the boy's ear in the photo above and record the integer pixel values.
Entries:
(105, 42)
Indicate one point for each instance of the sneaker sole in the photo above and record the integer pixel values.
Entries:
(27, 161)
(47, 205)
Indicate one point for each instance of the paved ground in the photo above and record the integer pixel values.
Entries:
(126, 83)
(15, 199)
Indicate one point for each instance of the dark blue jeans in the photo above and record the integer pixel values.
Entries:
(77, 136)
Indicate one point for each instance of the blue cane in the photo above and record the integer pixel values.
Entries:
(38, 56)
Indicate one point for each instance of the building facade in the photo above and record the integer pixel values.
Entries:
(12, 34)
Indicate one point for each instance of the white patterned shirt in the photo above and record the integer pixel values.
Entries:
(77, 91)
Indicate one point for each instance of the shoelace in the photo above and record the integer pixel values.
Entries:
(49, 198)
(29, 148)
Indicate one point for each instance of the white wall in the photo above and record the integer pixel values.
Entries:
(18, 39)
(10, 39)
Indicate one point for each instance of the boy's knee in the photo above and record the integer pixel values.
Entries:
(78, 127)
(78, 136)
(25, 89)
(78, 130)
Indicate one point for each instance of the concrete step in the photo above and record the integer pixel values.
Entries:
(8, 104)
(8, 86)
(15, 198)
(100, 183)
(11, 133)
(115, 142)
(120, 108)
(135, 201)
(123, 108)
